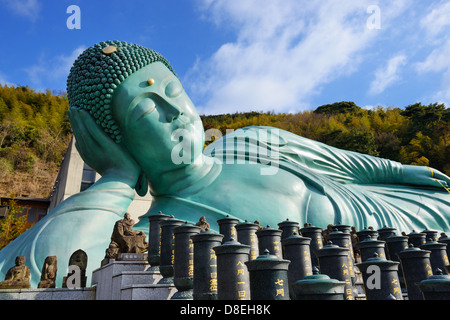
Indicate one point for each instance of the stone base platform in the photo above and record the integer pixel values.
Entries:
(130, 278)
(48, 294)
(148, 292)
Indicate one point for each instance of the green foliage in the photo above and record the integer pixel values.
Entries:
(34, 121)
(418, 134)
(347, 107)
(12, 225)
(34, 130)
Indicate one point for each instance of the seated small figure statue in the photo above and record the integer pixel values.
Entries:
(48, 275)
(202, 223)
(78, 258)
(18, 277)
(126, 240)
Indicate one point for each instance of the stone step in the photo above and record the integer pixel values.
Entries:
(148, 292)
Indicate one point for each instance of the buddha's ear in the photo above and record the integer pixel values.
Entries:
(141, 185)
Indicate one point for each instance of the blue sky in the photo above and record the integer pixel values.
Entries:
(248, 55)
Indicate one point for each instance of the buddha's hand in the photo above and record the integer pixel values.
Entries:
(100, 152)
(425, 176)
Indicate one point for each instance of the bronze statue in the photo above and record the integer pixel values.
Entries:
(202, 223)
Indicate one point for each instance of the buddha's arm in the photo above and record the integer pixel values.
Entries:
(353, 167)
(339, 165)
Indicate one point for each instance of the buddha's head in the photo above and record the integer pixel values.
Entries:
(135, 96)
(20, 260)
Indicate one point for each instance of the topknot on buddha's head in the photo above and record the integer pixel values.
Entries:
(98, 71)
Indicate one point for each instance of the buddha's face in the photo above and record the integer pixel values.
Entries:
(153, 112)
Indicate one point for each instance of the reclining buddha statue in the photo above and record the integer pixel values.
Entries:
(136, 126)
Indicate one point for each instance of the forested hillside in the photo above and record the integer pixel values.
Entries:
(34, 134)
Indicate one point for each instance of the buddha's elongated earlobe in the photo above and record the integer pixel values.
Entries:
(141, 185)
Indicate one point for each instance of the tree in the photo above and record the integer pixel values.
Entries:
(348, 107)
(12, 225)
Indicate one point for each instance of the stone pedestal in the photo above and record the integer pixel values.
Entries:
(246, 234)
(270, 239)
(233, 282)
(268, 277)
(48, 294)
(227, 228)
(334, 262)
(154, 239)
(127, 279)
(386, 232)
(416, 267)
(417, 238)
(367, 233)
(315, 233)
(297, 250)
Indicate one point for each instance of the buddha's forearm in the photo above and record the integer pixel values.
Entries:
(107, 194)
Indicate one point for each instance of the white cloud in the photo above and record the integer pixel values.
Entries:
(388, 75)
(436, 25)
(29, 9)
(284, 52)
(52, 69)
(437, 60)
(437, 20)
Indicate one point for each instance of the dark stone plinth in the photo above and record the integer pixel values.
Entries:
(417, 238)
(233, 282)
(367, 233)
(297, 250)
(436, 287)
(154, 239)
(268, 277)
(416, 267)
(227, 228)
(270, 239)
(447, 241)
(246, 234)
(386, 232)
(342, 239)
(315, 233)
(395, 244)
(368, 246)
(438, 256)
(288, 228)
(167, 249)
(334, 262)
(205, 265)
(183, 267)
(319, 287)
(380, 277)
(433, 234)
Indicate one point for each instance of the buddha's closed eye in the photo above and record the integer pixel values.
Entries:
(143, 108)
(173, 89)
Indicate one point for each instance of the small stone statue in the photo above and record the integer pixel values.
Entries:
(78, 258)
(260, 227)
(18, 277)
(48, 275)
(202, 223)
(126, 240)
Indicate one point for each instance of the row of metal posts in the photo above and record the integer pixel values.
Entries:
(244, 262)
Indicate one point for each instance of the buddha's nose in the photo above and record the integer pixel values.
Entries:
(172, 112)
